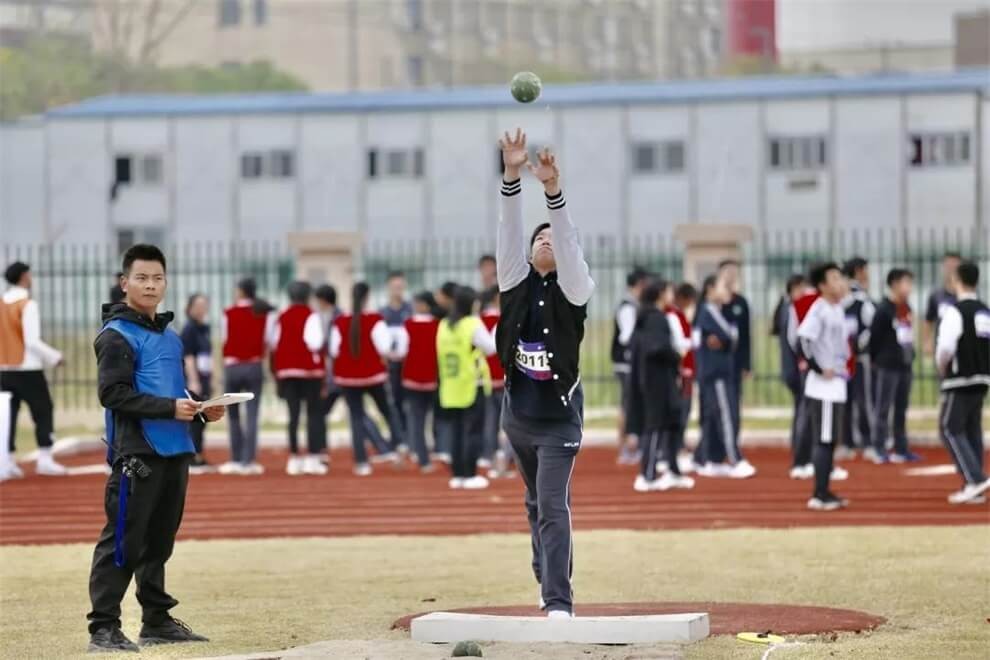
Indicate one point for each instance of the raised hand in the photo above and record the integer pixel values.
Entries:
(546, 171)
(514, 154)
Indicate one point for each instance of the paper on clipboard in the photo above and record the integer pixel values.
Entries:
(231, 399)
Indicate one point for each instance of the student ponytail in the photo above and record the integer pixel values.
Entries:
(463, 305)
(359, 295)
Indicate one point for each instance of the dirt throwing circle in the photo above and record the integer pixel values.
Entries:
(725, 618)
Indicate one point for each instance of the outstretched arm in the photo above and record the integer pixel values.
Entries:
(573, 273)
(512, 261)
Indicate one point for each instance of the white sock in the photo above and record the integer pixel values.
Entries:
(45, 454)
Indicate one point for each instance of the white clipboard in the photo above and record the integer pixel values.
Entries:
(231, 399)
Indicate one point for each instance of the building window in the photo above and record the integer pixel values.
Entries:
(414, 14)
(396, 163)
(790, 154)
(140, 169)
(414, 70)
(252, 166)
(274, 164)
(260, 12)
(228, 12)
(939, 149)
(658, 157)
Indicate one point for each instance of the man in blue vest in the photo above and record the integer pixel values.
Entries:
(142, 387)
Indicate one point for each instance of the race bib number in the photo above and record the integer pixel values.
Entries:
(852, 326)
(905, 334)
(204, 364)
(531, 359)
(982, 323)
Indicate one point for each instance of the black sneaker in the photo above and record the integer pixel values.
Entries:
(110, 640)
(170, 631)
(827, 502)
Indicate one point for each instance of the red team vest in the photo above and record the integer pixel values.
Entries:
(293, 359)
(419, 371)
(490, 318)
(362, 370)
(245, 341)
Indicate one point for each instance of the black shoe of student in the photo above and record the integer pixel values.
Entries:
(169, 631)
(110, 640)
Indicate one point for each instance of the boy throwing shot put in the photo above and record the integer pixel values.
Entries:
(545, 286)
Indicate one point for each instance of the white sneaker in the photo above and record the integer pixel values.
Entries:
(969, 493)
(48, 467)
(839, 474)
(685, 463)
(252, 469)
(559, 614)
(641, 485)
(476, 482)
(673, 481)
(710, 470)
(443, 457)
(742, 470)
(10, 470)
(666, 482)
(313, 465)
(483, 464)
(543, 603)
(455, 483)
(295, 466)
(362, 470)
(845, 453)
(390, 457)
(230, 467)
(802, 471)
(662, 466)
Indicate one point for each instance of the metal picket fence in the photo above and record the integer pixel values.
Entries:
(71, 283)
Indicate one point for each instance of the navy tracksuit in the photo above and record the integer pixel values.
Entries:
(719, 393)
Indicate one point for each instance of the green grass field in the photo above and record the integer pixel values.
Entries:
(932, 584)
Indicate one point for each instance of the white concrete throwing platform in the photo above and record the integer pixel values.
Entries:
(448, 627)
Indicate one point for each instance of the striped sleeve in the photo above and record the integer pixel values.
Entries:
(512, 257)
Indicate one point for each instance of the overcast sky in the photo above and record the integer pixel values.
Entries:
(812, 24)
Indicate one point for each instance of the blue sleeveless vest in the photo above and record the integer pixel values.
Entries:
(157, 371)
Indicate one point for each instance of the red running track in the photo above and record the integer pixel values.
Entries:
(61, 510)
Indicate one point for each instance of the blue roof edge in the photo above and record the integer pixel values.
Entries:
(638, 92)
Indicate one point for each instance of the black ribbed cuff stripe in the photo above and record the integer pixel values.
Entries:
(555, 201)
(511, 188)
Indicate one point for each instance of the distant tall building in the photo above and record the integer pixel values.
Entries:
(374, 44)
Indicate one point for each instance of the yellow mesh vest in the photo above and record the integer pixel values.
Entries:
(457, 361)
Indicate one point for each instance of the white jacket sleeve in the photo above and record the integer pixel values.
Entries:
(381, 337)
(31, 323)
(401, 338)
(313, 333)
(573, 273)
(483, 340)
(334, 342)
(512, 256)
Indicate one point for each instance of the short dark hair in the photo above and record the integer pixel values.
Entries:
(651, 292)
(818, 273)
(192, 299)
(489, 295)
(536, 232)
(951, 254)
(299, 292)
(463, 305)
(969, 274)
(636, 276)
(142, 252)
(854, 265)
(686, 291)
(248, 287)
(795, 280)
(449, 289)
(728, 262)
(426, 297)
(395, 274)
(326, 293)
(485, 259)
(15, 272)
(708, 285)
(898, 274)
